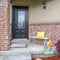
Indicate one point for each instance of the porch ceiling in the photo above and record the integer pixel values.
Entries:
(28, 1)
(25, 1)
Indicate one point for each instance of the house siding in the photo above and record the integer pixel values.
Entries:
(4, 25)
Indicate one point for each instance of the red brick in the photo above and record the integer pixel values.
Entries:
(53, 29)
(4, 42)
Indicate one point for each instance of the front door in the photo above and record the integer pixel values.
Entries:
(20, 22)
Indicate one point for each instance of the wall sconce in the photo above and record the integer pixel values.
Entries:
(44, 4)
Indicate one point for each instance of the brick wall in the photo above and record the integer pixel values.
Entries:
(4, 25)
(52, 30)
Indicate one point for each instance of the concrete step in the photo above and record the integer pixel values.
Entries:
(19, 43)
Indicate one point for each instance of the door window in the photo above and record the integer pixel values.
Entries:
(21, 19)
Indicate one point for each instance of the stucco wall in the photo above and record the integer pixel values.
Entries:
(50, 15)
(36, 12)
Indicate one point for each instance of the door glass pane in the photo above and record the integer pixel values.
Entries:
(21, 19)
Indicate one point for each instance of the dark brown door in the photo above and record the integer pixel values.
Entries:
(20, 22)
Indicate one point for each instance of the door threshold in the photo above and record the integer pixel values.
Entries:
(20, 39)
(17, 41)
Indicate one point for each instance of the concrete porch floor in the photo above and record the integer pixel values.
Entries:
(31, 48)
(23, 53)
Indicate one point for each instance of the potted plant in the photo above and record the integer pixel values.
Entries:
(58, 47)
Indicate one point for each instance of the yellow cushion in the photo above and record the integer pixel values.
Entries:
(40, 34)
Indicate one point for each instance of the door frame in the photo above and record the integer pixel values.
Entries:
(11, 15)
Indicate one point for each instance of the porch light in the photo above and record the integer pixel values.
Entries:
(44, 4)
